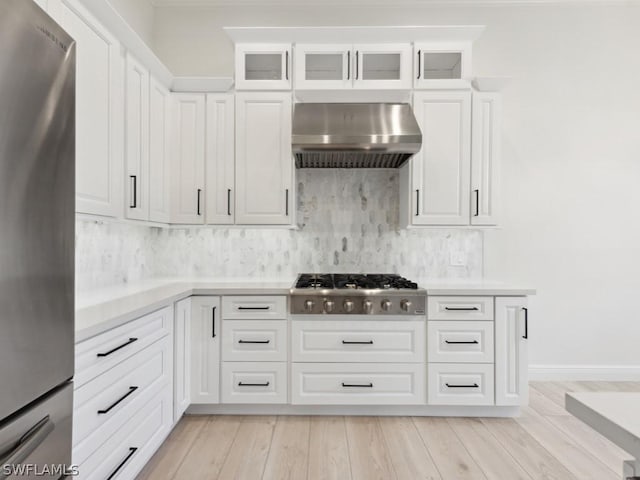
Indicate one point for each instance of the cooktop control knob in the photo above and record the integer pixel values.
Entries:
(367, 305)
(385, 305)
(348, 306)
(308, 305)
(405, 305)
(328, 306)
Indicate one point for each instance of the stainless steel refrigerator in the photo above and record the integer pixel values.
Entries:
(37, 185)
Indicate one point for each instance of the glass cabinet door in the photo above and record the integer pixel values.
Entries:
(383, 66)
(263, 67)
(442, 66)
(323, 66)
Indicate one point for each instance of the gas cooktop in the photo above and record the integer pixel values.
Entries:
(356, 293)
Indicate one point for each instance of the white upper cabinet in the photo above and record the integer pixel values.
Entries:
(263, 66)
(442, 65)
(220, 159)
(99, 104)
(511, 343)
(485, 157)
(440, 172)
(136, 139)
(385, 66)
(159, 152)
(323, 67)
(264, 161)
(187, 198)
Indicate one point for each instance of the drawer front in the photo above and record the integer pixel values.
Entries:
(367, 341)
(461, 384)
(358, 384)
(460, 308)
(125, 453)
(460, 342)
(104, 404)
(245, 382)
(254, 307)
(254, 341)
(98, 354)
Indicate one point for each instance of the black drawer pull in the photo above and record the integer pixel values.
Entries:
(254, 308)
(213, 322)
(132, 452)
(472, 342)
(240, 384)
(106, 354)
(526, 323)
(113, 405)
(475, 385)
(349, 385)
(347, 342)
(254, 341)
(462, 309)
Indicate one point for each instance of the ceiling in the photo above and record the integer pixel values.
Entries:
(440, 3)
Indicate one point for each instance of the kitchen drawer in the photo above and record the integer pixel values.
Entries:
(254, 307)
(100, 353)
(129, 449)
(461, 384)
(245, 382)
(358, 384)
(460, 342)
(361, 341)
(254, 341)
(460, 308)
(103, 405)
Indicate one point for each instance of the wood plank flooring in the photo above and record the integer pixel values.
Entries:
(546, 442)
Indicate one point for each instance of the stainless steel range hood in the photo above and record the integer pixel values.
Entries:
(354, 135)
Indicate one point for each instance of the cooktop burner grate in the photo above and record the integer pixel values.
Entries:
(354, 281)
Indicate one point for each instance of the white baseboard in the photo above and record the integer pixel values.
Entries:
(585, 372)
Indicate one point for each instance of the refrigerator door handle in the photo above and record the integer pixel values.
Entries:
(27, 444)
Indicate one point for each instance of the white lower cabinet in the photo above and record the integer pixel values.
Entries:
(460, 342)
(254, 382)
(205, 349)
(255, 341)
(182, 358)
(461, 384)
(358, 384)
(512, 332)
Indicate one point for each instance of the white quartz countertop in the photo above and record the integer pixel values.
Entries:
(100, 310)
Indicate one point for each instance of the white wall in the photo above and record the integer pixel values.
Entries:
(571, 225)
(139, 14)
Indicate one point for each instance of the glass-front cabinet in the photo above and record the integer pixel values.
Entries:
(383, 66)
(263, 66)
(442, 65)
(323, 66)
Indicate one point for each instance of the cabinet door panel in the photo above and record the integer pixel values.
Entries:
(137, 139)
(383, 66)
(220, 159)
(323, 66)
(159, 152)
(511, 331)
(441, 170)
(205, 349)
(187, 199)
(485, 158)
(99, 109)
(263, 66)
(182, 358)
(264, 161)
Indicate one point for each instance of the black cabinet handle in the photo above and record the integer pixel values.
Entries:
(419, 63)
(349, 65)
(134, 196)
(347, 342)
(132, 452)
(475, 385)
(240, 384)
(255, 341)
(356, 385)
(198, 203)
(286, 202)
(417, 202)
(113, 350)
(286, 66)
(477, 192)
(213, 322)
(526, 322)
(357, 64)
(113, 405)
(473, 342)
(254, 308)
(229, 201)
(461, 309)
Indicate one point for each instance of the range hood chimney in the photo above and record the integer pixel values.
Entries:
(354, 135)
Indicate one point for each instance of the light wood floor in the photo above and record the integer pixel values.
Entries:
(546, 442)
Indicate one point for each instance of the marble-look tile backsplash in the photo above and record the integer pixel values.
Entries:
(348, 222)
